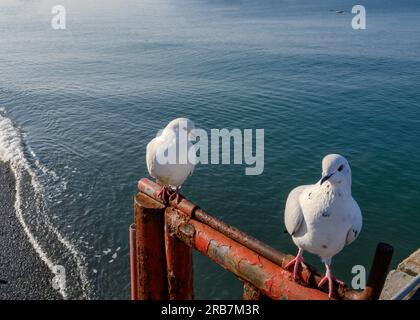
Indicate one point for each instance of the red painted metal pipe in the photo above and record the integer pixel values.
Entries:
(150, 243)
(248, 241)
(272, 280)
(133, 263)
(152, 189)
(191, 210)
(191, 215)
(309, 276)
(179, 263)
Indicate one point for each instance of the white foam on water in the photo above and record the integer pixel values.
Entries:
(51, 174)
(11, 150)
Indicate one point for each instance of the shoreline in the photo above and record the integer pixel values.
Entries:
(23, 275)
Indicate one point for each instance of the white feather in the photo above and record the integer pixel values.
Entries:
(322, 219)
(175, 173)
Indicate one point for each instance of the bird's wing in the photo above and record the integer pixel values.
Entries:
(293, 215)
(150, 156)
(356, 227)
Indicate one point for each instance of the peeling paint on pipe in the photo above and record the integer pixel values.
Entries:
(272, 280)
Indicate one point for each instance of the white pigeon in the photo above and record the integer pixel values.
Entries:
(171, 157)
(322, 218)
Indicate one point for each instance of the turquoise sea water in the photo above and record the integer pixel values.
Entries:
(82, 103)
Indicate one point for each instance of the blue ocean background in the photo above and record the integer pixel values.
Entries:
(86, 100)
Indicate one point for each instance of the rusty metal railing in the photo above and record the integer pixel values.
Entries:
(163, 236)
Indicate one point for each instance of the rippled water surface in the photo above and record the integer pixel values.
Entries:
(80, 105)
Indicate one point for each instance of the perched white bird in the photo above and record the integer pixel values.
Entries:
(171, 157)
(322, 218)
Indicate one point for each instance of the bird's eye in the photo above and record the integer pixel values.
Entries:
(340, 168)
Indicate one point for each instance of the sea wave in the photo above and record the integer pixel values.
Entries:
(33, 214)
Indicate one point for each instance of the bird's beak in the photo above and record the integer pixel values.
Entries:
(325, 178)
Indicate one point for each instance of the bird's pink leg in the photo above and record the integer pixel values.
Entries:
(297, 261)
(164, 194)
(175, 196)
(331, 279)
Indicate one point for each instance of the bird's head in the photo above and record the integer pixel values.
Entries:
(182, 125)
(336, 170)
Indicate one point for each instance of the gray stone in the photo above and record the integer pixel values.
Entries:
(395, 281)
(411, 265)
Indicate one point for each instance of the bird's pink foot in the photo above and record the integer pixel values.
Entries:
(175, 197)
(165, 194)
(297, 261)
(331, 279)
